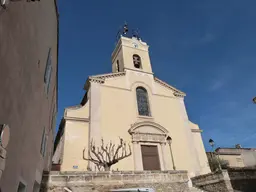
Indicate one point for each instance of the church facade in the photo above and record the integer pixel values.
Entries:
(133, 104)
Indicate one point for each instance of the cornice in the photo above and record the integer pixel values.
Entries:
(101, 78)
(109, 75)
(197, 130)
(136, 125)
(176, 93)
(139, 70)
(77, 119)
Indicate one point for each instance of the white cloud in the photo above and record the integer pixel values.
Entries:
(222, 77)
(217, 84)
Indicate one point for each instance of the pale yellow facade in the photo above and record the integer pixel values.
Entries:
(109, 110)
(238, 157)
(233, 160)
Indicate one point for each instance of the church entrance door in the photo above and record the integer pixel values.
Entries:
(150, 157)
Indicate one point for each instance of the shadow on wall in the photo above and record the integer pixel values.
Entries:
(243, 179)
(44, 183)
(232, 179)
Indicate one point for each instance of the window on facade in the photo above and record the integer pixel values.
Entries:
(48, 71)
(117, 66)
(142, 101)
(43, 143)
(137, 61)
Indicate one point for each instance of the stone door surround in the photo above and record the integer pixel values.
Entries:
(148, 133)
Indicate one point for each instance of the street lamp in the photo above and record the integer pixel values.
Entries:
(169, 141)
(254, 100)
(211, 142)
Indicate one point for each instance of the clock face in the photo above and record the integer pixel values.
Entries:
(135, 45)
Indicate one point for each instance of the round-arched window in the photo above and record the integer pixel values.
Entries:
(142, 101)
(136, 61)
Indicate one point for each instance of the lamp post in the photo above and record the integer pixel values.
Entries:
(169, 141)
(254, 100)
(211, 142)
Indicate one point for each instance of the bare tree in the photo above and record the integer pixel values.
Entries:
(107, 155)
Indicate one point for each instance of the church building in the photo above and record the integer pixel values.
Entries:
(133, 104)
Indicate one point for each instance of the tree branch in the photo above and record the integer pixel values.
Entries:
(106, 155)
(104, 149)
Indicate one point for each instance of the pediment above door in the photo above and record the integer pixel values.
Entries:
(148, 131)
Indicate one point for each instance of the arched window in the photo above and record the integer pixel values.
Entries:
(142, 101)
(117, 66)
(136, 61)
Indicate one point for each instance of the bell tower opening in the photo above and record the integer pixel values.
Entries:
(136, 61)
(130, 53)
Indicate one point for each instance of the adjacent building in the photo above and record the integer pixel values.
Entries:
(236, 157)
(28, 98)
(131, 103)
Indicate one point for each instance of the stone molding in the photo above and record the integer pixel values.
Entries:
(139, 70)
(109, 75)
(196, 130)
(138, 136)
(101, 78)
(148, 137)
(76, 119)
(136, 125)
(177, 92)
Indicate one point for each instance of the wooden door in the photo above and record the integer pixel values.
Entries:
(150, 157)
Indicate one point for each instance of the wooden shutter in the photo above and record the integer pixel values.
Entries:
(150, 157)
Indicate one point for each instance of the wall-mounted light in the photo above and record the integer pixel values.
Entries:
(254, 100)
(4, 135)
(169, 141)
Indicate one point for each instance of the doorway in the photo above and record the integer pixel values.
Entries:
(150, 157)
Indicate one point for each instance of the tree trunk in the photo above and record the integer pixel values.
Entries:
(106, 168)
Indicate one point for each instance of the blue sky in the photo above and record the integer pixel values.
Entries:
(204, 48)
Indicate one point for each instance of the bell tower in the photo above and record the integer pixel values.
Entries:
(131, 53)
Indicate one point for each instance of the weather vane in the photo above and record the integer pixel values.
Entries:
(122, 31)
(135, 33)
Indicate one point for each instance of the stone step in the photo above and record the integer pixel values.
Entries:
(194, 189)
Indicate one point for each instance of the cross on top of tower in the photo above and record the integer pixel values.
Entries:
(135, 33)
(124, 31)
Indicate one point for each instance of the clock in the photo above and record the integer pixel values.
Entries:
(135, 45)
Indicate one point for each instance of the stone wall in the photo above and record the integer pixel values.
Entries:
(164, 181)
(233, 179)
(243, 179)
(212, 182)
